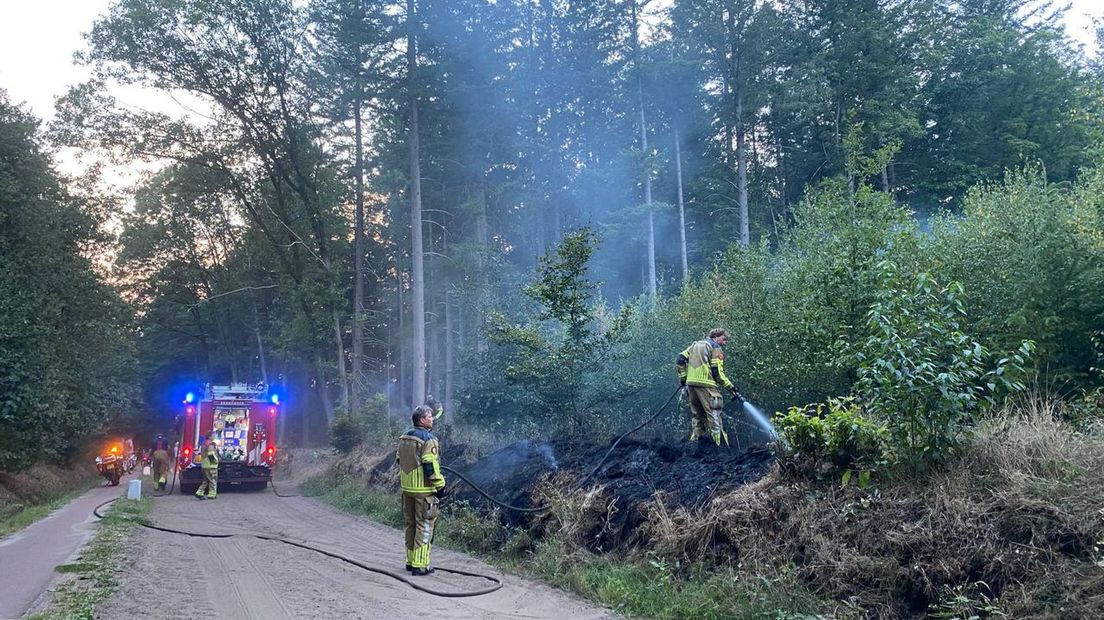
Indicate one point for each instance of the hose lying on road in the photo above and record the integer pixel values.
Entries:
(382, 571)
(583, 480)
(278, 493)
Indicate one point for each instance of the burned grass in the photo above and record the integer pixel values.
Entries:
(527, 474)
(1013, 528)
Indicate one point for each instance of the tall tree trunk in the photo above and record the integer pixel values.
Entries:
(885, 179)
(483, 235)
(681, 208)
(741, 170)
(403, 384)
(260, 341)
(448, 351)
(358, 260)
(417, 267)
(341, 373)
(652, 286)
(323, 390)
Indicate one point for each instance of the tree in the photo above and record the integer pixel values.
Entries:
(65, 355)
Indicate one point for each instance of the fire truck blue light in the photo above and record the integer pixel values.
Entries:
(190, 397)
(275, 399)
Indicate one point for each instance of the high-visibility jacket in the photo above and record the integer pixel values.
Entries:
(419, 464)
(210, 458)
(702, 364)
(438, 413)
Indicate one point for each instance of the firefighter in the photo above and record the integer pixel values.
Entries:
(161, 462)
(436, 407)
(422, 485)
(209, 464)
(701, 371)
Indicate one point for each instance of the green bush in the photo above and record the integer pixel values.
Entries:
(832, 440)
(920, 372)
(346, 432)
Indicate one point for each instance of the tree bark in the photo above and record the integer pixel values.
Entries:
(417, 267)
(358, 261)
(341, 372)
(260, 341)
(681, 208)
(482, 233)
(741, 170)
(448, 353)
(652, 286)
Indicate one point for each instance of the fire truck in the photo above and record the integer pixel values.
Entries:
(241, 419)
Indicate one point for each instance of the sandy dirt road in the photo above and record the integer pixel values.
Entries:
(28, 557)
(244, 577)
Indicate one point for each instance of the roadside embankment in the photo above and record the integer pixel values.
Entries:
(1012, 528)
(30, 495)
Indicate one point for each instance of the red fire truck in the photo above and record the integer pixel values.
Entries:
(241, 418)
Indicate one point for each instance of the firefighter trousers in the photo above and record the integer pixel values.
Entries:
(707, 413)
(210, 483)
(160, 469)
(420, 516)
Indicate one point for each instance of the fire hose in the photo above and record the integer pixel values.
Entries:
(582, 480)
(337, 556)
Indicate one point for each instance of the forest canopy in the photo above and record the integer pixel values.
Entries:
(371, 195)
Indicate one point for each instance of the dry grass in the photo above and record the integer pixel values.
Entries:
(1017, 521)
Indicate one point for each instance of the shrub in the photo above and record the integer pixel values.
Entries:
(346, 432)
(920, 372)
(830, 440)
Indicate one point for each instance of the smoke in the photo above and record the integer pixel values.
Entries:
(545, 450)
(760, 420)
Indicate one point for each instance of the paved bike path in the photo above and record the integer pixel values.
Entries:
(29, 556)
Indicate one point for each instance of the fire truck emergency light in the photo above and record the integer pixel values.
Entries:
(275, 399)
(189, 410)
(190, 397)
(271, 411)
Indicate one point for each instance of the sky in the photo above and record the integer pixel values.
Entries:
(38, 39)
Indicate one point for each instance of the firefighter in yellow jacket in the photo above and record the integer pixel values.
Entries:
(209, 463)
(701, 370)
(422, 487)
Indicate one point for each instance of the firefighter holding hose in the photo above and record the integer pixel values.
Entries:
(701, 371)
(422, 484)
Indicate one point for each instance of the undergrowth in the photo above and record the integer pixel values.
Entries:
(644, 587)
(1013, 527)
(94, 572)
(30, 496)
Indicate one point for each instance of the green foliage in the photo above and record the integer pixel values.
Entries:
(541, 370)
(831, 441)
(973, 600)
(351, 429)
(65, 356)
(920, 372)
(1031, 259)
(346, 432)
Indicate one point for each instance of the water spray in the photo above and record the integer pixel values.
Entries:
(761, 420)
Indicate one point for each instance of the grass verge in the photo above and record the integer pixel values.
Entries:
(16, 514)
(26, 515)
(644, 587)
(94, 573)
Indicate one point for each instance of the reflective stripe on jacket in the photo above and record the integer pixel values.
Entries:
(419, 465)
(704, 365)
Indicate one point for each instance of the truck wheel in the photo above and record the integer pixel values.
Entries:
(188, 489)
